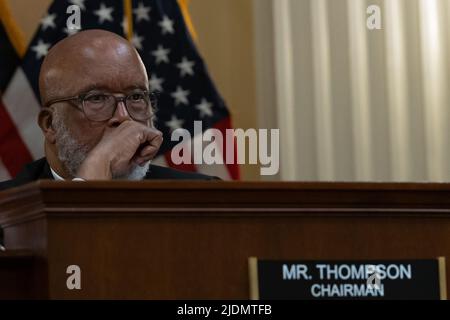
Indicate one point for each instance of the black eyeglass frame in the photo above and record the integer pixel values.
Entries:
(81, 99)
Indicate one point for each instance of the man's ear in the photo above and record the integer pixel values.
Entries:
(45, 121)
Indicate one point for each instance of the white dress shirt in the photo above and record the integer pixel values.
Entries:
(59, 178)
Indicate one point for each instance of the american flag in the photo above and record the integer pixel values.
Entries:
(177, 73)
(10, 138)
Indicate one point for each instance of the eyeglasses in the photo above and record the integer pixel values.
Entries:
(102, 106)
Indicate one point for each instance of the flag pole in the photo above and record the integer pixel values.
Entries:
(128, 8)
(184, 4)
(13, 31)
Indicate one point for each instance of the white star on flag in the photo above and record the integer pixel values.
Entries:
(104, 13)
(174, 123)
(48, 21)
(205, 108)
(137, 41)
(180, 96)
(79, 3)
(186, 67)
(156, 83)
(161, 55)
(141, 12)
(41, 49)
(166, 25)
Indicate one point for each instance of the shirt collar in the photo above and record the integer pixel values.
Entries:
(56, 176)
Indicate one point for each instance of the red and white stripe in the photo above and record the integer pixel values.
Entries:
(21, 140)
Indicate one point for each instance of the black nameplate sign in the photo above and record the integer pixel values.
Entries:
(368, 279)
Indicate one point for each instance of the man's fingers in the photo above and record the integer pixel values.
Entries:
(154, 141)
(149, 151)
(140, 161)
(157, 140)
(152, 134)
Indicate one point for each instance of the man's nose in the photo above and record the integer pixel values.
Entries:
(120, 115)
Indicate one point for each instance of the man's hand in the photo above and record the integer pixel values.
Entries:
(119, 150)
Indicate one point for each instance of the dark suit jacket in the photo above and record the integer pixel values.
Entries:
(40, 169)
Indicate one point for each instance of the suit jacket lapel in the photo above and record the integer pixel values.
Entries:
(46, 173)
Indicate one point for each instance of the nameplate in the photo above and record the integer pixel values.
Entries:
(359, 279)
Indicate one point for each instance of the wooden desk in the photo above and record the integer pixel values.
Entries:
(190, 240)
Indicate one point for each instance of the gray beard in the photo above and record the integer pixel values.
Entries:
(72, 153)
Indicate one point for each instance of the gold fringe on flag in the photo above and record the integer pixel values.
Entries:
(184, 5)
(128, 8)
(13, 31)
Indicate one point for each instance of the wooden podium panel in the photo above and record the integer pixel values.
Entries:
(192, 240)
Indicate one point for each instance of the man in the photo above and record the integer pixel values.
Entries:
(96, 115)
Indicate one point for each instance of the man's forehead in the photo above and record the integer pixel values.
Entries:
(111, 89)
(110, 74)
(109, 79)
